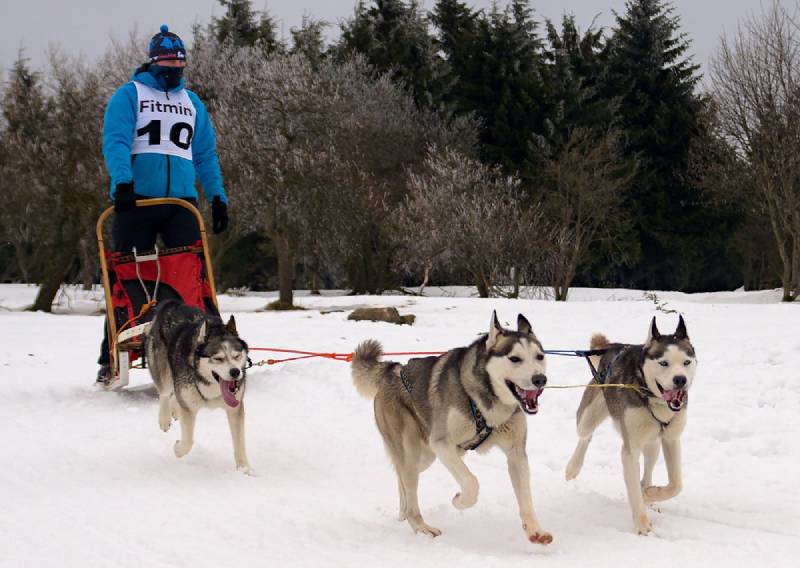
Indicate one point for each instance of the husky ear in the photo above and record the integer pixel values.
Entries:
(523, 325)
(202, 333)
(680, 331)
(495, 330)
(231, 326)
(653, 334)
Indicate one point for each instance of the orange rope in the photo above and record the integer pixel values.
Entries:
(344, 357)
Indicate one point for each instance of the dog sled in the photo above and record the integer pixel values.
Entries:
(135, 281)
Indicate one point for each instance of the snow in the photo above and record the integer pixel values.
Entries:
(88, 479)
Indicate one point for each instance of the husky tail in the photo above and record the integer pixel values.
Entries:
(599, 341)
(367, 369)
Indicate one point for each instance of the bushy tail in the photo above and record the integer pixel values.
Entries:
(367, 369)
(599, 341)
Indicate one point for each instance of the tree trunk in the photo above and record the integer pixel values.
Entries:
(314, 283)
(482, 284)
(425, 278)
(786, 278)
(516, 276)
(796, 268)
(285, 270)
(52, 280)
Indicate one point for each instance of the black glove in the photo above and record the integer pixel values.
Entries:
(124, 198)
(219, 215)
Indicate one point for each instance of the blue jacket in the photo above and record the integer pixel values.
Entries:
(159, 175)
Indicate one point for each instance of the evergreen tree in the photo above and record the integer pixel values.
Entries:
(575, 76)
(308, 41)
(25, 115)
(580, 120)
(494, 72)
(655, 78)
(457, 25)
(393, 36)
(244, 26)
(507, 91)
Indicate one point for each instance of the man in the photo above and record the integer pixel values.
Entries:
(157, 136)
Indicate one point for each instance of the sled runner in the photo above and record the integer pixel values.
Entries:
(135, 281)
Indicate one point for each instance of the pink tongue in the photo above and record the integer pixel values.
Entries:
(676, 395)
(530, 395)
(227, 396)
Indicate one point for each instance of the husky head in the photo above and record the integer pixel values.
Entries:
(669, 364)
(516, 364)
(223, 357)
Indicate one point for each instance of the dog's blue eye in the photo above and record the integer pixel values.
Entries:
(663, 363)
(515, 359)
(687, 363)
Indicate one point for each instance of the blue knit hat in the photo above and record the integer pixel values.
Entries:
(165, 45)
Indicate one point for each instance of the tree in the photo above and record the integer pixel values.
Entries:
(242, 26)
(463, 215)
(457, 26)
(658, 114)
(61, 176)
(25, 110)
(308, 39)
(583, 184)
(756, 88)
(318, 154)
(393, 36)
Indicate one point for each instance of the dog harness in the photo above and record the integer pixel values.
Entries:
(482, 429)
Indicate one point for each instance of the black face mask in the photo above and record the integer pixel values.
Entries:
(168, 77)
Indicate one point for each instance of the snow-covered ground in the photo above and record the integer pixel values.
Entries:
(88, 479)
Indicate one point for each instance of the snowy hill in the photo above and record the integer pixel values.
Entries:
(88, 479)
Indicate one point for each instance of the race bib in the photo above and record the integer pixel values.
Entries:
(164, 123)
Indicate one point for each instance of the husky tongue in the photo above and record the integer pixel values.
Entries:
(529, 398)
(674, 398)
(228, 388)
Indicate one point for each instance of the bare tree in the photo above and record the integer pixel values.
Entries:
(316, 154)
(57, 165)
(582, 194)
(464, 215)
(756, 87)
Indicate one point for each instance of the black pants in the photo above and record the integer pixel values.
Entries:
(141, 227)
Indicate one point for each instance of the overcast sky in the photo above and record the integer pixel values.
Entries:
(84, 26)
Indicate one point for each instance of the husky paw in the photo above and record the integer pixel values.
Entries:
(655, 493)
(643, 525)
(182, 449)
(465, 500)
(572, 471)
(468, 495)
(247, 470)
(423, 528)
(537, 535)
(164, 423)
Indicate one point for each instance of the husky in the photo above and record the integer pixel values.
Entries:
(197, 361)
(473, 397)
(650, 416)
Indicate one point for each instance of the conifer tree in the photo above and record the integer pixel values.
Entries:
(244, 26)
(654, 76)
(308, 40)
(393, 36)
(494, 72)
